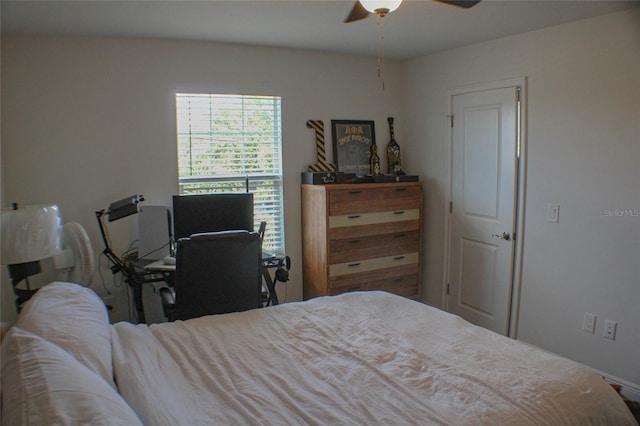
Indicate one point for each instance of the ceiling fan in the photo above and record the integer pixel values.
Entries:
(363, 8)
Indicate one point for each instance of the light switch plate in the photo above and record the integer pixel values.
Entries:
(553, 213)
(589, 322)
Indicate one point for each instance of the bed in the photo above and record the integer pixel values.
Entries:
(358, 358)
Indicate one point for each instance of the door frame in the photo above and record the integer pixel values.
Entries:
(521, 84)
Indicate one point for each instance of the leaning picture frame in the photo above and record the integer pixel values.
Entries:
(352, 141)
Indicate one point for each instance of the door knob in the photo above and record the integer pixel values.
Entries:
(505, 236)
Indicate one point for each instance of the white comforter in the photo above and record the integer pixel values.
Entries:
(359, 358)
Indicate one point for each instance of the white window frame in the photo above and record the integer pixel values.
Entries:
(266, 185)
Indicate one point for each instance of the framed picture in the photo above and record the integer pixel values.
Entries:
(352, 140)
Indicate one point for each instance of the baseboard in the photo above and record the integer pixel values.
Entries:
(628, 389)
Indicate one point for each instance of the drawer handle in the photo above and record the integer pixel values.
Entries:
(355, 192)
(353, 265)
(354, 241)
(402, 235)
(399, 212)
(398, 258)
(401, 189)
(355, 216)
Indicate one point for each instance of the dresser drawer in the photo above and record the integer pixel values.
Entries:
(373, 246)
(359, 219)
(359, 266)
(344, 232)
(402, 281)
(348, 201)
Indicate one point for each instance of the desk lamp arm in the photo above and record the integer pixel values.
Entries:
(117, 264)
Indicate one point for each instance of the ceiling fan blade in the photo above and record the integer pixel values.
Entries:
(466, 4)
(357, 13)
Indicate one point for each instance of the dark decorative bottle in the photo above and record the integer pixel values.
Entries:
(393, 153)
(374, 160)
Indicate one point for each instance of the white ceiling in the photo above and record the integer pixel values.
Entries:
(417, 28)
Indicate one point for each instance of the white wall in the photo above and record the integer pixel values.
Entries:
(87, 121)
(583, 153)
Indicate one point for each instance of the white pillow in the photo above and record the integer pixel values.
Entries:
(44, 385)
(74, 318)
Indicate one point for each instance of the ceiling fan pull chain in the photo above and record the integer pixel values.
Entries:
(380, 23)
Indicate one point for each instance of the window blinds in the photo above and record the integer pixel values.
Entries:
(229, 142)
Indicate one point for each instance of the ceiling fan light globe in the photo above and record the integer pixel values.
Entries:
(380, 6)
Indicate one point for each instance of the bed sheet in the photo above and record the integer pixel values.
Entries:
(357, 358)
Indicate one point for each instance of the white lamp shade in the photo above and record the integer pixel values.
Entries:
(30, 233)
(373, 5)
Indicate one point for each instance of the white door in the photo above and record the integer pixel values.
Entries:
(483, 209)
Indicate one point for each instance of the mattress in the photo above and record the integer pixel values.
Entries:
(357, 358)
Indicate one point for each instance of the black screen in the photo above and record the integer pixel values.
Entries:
(193, 214)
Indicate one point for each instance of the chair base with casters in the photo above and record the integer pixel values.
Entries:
(216, 273)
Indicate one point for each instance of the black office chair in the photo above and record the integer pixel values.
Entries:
(216, 273)
(265, 292)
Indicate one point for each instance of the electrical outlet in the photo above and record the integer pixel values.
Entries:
(589, 322)
(610, 329)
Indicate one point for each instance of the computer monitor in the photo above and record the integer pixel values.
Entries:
(193, 214)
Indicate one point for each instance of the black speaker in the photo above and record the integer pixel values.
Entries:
(282, 273)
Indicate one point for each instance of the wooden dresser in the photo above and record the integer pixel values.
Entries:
(362, 237)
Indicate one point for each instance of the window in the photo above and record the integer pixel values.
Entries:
(231, 143)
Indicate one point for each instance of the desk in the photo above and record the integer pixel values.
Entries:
(160, 266)
(148, 271)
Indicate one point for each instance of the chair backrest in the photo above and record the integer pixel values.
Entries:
(218, 272)
(262, 229)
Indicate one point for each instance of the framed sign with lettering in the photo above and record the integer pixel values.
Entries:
(352, 141)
